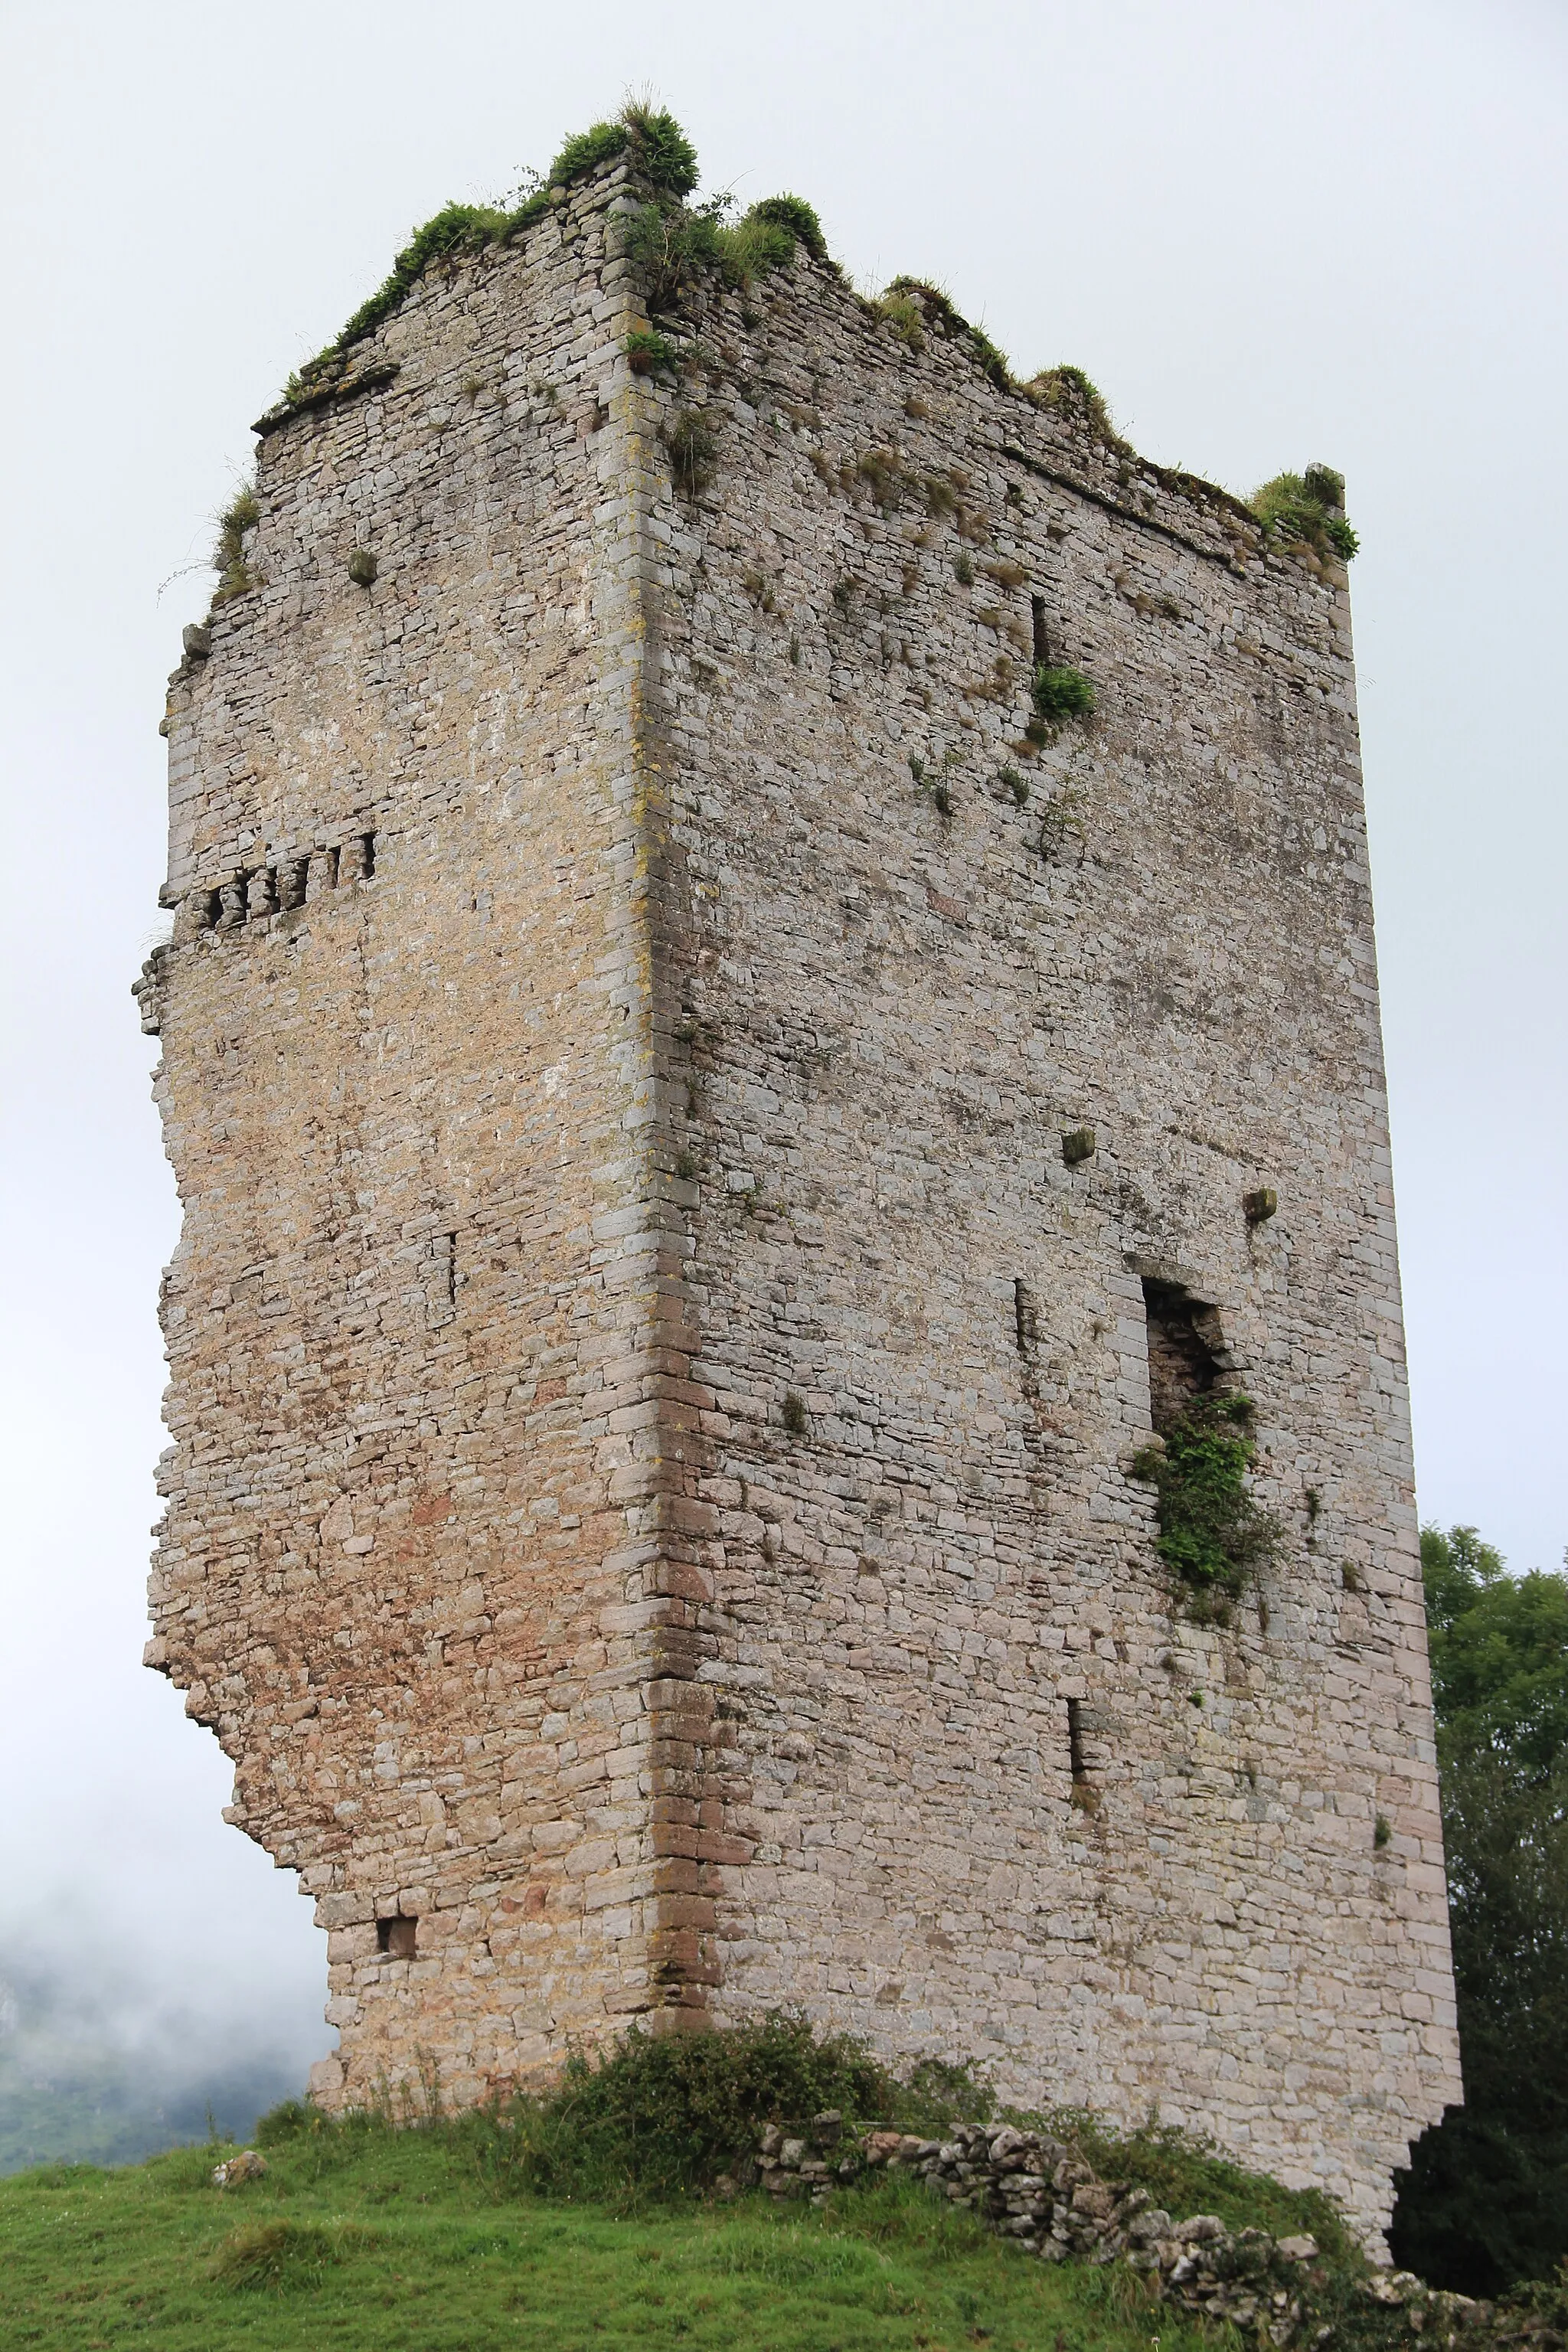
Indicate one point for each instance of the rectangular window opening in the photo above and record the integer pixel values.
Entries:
(1026, 1317)
(1042, 639)
(396, 1937)
(1182, 1367)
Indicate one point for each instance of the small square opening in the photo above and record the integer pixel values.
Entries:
(396, 1937)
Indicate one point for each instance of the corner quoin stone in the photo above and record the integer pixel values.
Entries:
(580, 1036)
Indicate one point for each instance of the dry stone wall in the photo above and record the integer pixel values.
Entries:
(652, 1398)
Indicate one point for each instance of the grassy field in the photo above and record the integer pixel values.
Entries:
(392, 2241)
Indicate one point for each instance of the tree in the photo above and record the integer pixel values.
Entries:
(1485, 2202)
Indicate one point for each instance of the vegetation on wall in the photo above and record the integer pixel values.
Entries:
(1212, 1533)
(1059, 693)
(677, 246)
(793, 214)
(1307, 511)
(1486, 2200)
(911, 304)
(653, 141)
(241, 514)
(1069, 389)
(692, 448)
(904, 315)
(664, 155)
(648, 350)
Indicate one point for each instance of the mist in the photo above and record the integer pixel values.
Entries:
(1272, 233)
(104, 2059)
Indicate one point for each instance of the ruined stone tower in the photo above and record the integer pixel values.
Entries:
(709, 1132)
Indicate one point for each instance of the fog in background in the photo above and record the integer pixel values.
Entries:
(1271, 233)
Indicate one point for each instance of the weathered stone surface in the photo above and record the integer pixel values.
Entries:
(648, 1512)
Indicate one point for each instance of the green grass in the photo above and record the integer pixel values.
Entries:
(394, 2242)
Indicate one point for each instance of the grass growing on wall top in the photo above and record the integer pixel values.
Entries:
(1307, 511)
(241, 514)
(655, 142)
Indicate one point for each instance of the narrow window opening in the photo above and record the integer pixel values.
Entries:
(1026, 1317)
(451, 1240)
(1182, 1367)
(395, 1938)
(1042, 640)
(1074, 1742)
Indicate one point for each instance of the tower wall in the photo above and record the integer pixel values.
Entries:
(896, 1013)
(684, 1071)
(411, 1490)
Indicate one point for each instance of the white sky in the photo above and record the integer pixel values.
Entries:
(1271, 233)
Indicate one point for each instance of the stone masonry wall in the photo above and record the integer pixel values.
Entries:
(410, 1491)
(896, 1012)
(648, 1508)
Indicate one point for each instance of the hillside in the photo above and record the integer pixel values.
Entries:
(385, 2241)
(563, 2224)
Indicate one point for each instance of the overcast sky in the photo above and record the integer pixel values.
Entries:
(1272, 233)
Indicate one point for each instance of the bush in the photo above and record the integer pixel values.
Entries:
(648, 351)
(1485, 2201)
(1062, 694)
(671, 246)
(659, 150)
(692, 450)
(662, 2114)
(793, 213)
(931, 305)
(455, 228)
(753, 246)
(667, 2113)
(586, 151)
(1307, 511)
(675, 245)
(293, 2119)
(903, 314)
(1211, 1531)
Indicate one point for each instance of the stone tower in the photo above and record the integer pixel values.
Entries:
(699, 1122)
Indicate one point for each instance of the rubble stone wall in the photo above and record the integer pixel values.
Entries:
(652, 1403)
(897, 1012)
(409, 1489)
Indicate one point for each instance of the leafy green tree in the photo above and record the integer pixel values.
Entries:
(1485, 2202)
